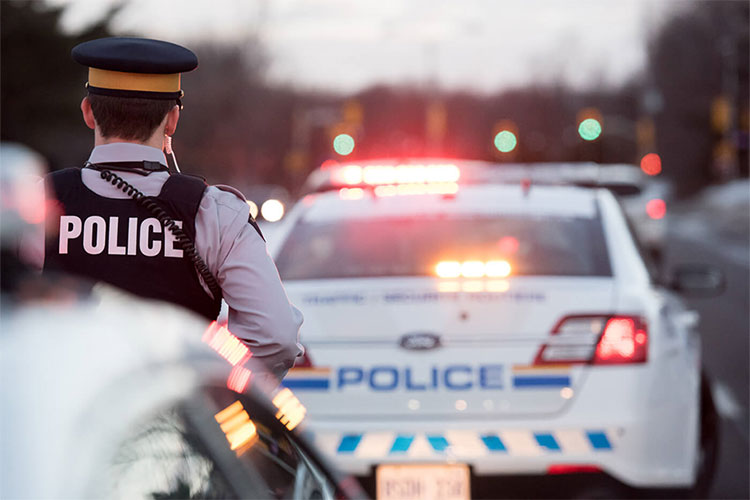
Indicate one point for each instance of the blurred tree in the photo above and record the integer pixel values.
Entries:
(41, 88)
(394, 122)
(238, 129)
(235, 128)
(700, 54)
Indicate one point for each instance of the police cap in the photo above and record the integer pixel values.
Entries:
(135, 67)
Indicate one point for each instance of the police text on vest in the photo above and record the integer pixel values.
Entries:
(99, 235)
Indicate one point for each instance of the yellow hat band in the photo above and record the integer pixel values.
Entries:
(143, 82)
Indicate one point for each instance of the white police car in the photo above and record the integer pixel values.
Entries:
(459, 332)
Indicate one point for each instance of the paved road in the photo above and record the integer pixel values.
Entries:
(725, 325)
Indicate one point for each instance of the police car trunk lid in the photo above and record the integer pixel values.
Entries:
(405, 347)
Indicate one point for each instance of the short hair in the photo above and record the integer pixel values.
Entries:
(131, 118)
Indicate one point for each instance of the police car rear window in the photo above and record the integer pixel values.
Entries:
(413, 246)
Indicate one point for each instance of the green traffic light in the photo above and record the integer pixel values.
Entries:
(590, 129)
(343, 144)
(505, 141)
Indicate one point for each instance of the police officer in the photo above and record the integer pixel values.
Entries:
(128, 220)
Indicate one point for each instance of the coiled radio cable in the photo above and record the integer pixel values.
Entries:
(182, 239)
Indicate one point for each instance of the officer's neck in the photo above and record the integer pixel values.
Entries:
(155, 141)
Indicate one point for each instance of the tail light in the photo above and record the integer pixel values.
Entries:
(595, 339)
(625, 340)
(656, 208)
(558, 469)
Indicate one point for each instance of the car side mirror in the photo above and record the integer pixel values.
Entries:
(697, 280)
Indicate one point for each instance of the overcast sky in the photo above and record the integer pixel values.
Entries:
(346, 45)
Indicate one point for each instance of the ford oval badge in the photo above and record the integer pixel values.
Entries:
(420, 341)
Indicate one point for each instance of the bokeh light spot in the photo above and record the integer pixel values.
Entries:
(656, 208)
(651, 164)
(253, 208)
(448, 269)
(497, 269)
(343, 144)
(508, 245)
(272, 210)
(505, 141)
(590, 129)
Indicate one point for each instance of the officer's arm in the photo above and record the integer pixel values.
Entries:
(259, 311)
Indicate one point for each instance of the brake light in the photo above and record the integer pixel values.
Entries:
(595, 339)
(624, 341)
(656, 208)
(557, 469)
(651, 164)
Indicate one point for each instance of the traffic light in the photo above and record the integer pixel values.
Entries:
(506, 136)
(505, 141)
(590, 129)
(589, 124)
(343, 144)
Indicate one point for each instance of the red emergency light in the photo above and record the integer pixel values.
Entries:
(395, 180)
(402, 174)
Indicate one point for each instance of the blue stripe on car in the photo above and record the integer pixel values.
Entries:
(439, 443)
(349, 443)
(307, 383)
(493, 443)
(599, 440)
(402, 443)
(546, 440)
(542, 381)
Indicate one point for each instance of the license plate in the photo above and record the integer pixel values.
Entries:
(423, 482)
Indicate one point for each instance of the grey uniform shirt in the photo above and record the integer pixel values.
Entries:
(259, 310)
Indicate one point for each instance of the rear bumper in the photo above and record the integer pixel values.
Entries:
(532, 448)
(645, 435)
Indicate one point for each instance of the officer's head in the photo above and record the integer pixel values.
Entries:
(133, 86)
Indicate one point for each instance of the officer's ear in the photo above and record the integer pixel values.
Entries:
(88, 114)
(172, 118)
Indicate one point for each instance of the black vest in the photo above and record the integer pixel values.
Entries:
(121, 243)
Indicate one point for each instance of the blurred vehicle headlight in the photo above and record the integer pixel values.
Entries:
(272, 210)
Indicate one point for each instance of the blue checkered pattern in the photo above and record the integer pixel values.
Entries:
(501, 442)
